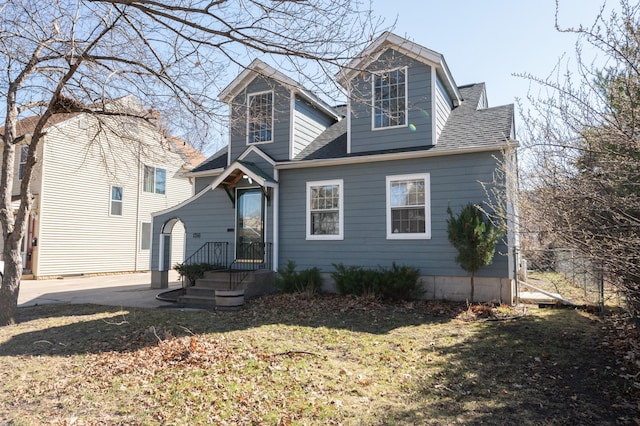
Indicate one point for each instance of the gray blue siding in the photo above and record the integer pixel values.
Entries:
(202, 182)
(260, 162)
(279, 148)
(443, 107)
(363, 137)
(211, 218)
(454, 181)
(309, 122)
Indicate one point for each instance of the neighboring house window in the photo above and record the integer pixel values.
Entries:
(145, 236)
(116, 201)
(24, 152)
(408, 207)
(325, 210)
(390, 99)
(260, 116)
(155, 180)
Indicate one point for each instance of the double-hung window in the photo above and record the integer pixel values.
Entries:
(325, 210)
(145, 236)
(24, 152)
(390, 99)
(155, 180)
(115, 208)
(408, 207)
(260, 118)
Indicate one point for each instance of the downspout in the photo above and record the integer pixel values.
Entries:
(276, 219)
(137, 227)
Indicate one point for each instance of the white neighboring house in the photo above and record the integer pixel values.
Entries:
(96, 183)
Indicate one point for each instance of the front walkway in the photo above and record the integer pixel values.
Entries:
(125, 290)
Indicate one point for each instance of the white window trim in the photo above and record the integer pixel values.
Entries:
(155, 183)
(273, 116)
(340, 234)
(111, 200)
(426, 235)
(150, 235)
(406, 99)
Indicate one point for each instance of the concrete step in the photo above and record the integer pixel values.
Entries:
(534, 297)
(221, 274)
(198, 300)
(221, 284)
(201, 291)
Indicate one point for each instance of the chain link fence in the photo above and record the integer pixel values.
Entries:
(570, 274)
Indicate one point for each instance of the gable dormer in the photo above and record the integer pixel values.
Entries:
(271, 111)
(400, 96)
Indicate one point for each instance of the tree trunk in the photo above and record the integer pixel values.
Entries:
(10, 287)
(472, 286)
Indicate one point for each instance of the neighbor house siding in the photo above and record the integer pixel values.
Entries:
(363, 137)
(77, 233)
(453, 183)
(36, 174)
(309, 122)
(279, 147)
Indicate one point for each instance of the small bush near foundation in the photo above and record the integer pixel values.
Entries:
(400, 283)
(396, 283)
(305, 281)
(194, 271)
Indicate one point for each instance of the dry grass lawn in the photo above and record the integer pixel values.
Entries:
(313, 361)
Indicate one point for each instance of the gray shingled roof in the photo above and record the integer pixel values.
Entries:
(216, 161)
(466, 127)
(332, 143)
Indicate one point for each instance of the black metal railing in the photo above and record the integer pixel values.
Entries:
(250, 257)
(213, 253)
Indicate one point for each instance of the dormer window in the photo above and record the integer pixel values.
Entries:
(390, 99)
(260, 118)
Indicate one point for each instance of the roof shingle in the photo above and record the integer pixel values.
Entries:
(466, 127)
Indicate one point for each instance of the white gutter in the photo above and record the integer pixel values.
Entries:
(388, 157)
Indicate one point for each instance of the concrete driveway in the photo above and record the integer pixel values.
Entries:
(125, 290)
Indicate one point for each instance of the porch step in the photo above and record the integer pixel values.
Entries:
(216, 283)
(197, 300)
(220, 274)
(201, 292)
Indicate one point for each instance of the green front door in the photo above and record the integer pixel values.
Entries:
(250, 225)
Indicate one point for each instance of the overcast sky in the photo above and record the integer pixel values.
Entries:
(489, 40)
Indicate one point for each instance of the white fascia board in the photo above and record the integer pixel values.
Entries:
(256, 68)
(213, 185)
(301, 164)
(386, 41)
(318, 103)
(413, 50)
(205, 173)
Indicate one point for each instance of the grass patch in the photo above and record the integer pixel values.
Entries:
(578, 293)
(295, 359)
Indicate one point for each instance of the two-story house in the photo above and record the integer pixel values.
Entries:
(96, 183)
(365, 184)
